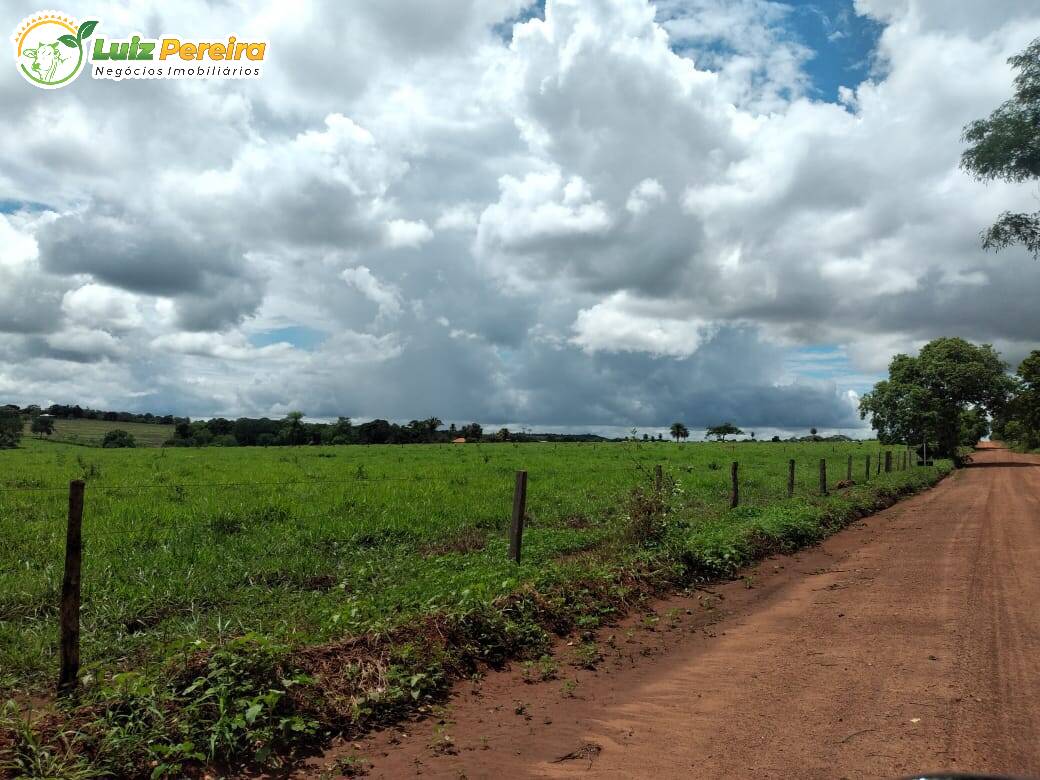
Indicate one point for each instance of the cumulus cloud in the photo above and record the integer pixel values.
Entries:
(613, 213)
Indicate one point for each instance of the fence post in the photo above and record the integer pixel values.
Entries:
(790, 478)
(516, 532)
(868, 468)
(888, 461)
(68, 678)
(879, 462)
(848, 471)
(823, 476)
(734, 496)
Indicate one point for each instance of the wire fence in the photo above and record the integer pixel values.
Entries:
(169, 528)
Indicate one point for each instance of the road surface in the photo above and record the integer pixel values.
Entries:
(909, 642)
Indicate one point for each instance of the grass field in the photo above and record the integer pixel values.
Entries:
(91, 432)
(186, 551)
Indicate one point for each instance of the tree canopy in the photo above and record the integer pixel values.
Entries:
(720, 432)
(1019, 425)
(926, 398)
(1006, 147)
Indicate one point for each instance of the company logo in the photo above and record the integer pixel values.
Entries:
(51, 50)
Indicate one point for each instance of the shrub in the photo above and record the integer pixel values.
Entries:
(118, 439)
(10, 430)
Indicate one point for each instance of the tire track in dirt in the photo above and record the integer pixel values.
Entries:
(906, 643)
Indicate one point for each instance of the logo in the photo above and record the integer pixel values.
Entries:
(50, 49)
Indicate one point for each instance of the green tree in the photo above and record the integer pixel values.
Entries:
(1006, 147)
(118, 439)
(293, 427)
(503, 434)
(720, 432)
(679, 432)
(924, 397)
(42, 426)
(1019, 425)
(10, 428)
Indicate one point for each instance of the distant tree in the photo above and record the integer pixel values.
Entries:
(472, 432)
(503, 434)
(118, 439)
(775, 439)
(42, 426)
(293, 428)
(924, 397)
(374, 432)
(227, 440)
(646, 437)
(1006, 147)
(720, 432)
(812, 431)
(10, 429)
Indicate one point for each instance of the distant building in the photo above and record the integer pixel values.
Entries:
(459, 440)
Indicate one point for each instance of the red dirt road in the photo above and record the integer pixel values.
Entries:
(909, 642)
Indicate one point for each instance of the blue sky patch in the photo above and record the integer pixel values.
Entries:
(300, 336)
(843, 43)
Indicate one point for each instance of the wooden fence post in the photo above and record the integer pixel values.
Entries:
(879, 462)
(68, 678)
(888, 461)
(848, 471)
(734, 495)
(516, 532)
(823, 476)
(790, 478)
(868, 468)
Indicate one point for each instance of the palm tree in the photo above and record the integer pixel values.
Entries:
(294, 426)
(679, 431)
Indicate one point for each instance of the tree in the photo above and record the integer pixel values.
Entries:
(720, 432)
(924, 397)
(1006, 147)
(42, 426)
(812, 432)
(503, 434)
(10, 428)
(118, 439)
(293, 426)
(1019, 424)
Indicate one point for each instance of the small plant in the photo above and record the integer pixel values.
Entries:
(442, 743)
(542, 670)
(586, 656)
(568, 688)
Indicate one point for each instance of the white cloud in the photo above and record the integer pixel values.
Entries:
(386, 296)
(405, 234)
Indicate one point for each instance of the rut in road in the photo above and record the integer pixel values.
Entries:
(909, 642)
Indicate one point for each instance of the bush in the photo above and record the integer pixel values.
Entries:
(10, 430)
(118, 439)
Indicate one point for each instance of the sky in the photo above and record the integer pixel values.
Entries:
(567, 215)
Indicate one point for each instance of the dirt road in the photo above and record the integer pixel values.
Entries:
(908, 642)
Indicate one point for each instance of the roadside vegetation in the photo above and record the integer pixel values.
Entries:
(239, 605)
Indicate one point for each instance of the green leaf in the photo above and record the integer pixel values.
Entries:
(252, 713)
(85, 30)
(69, 41)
